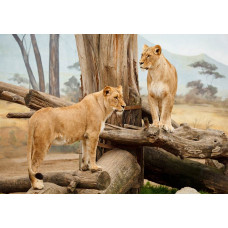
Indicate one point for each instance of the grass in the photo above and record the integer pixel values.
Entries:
(150, 189)
(201, 116)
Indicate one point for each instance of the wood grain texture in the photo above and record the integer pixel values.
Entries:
(164, 168)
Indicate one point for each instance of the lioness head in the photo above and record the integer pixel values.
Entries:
(150, 57)
(113, 98)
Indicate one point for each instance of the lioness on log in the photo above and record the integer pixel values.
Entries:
(161, 85)
(65, 125)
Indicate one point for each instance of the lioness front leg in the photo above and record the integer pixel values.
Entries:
(85, 156)
(154, 110)
(92, 142)
(165, 121)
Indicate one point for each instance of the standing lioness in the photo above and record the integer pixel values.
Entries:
(161, 85)
(82, 121)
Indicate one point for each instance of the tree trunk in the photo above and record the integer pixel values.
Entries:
(26, 61)
(86, 179)
(54, 65)
(38, 63)
(164, 168)
(123, 169)
(112, 60)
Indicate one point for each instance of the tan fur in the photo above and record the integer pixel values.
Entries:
(82, 121)
(161, 85)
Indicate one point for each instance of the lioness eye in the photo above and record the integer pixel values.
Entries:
(116, 98)
(148, 56)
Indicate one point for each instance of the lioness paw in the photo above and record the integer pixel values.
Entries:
(85, 167)
(38, 185)
(96, 168)
(166, 127)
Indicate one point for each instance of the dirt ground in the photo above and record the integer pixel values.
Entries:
(11, 167)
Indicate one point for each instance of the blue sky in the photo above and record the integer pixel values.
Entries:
(215, 45)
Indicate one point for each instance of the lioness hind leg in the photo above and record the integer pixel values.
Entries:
(39, 153)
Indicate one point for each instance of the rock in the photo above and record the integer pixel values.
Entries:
(187, 190)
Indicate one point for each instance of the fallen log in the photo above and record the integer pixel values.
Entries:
(86, 179)
(37, 100)
(147, 113)
(20, 114)
(184, 141)
(17, 90)
(164, 168)
(123, 169)
(8, 96)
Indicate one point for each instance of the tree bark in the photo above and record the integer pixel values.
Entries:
(110, 59)
(8, 96)
(26, 61)
(86, 179)
(184, 141)
(20, 114)
(38, 63)
(54, 65)
(37, 100)
(123, 169)
(164, 168)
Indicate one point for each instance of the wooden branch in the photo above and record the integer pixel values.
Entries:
(86, 179)
(20, 114)
(184, 141)
(17, 90)
(147, 113)
(164, 168)
(8, 96)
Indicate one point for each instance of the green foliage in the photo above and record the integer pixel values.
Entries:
(149, 189)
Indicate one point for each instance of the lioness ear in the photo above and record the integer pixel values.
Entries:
(157, 50)
(106, 90)
(145, 47)
(120, 88)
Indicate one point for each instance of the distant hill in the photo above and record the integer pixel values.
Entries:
(185, 72)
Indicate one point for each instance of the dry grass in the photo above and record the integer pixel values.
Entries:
(201, 116)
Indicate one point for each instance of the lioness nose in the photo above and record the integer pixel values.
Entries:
(123, 106)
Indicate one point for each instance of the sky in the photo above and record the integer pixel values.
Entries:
(215, 45)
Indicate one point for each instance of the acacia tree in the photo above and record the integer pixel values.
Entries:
(207, 69)
(54, 65)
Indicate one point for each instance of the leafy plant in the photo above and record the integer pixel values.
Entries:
(149, 189)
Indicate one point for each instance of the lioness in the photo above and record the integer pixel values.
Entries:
(65, 125)
(161, 85)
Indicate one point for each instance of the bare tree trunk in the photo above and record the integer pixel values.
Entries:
(112, 60)
(26, 61)
(54, 65)
(39, 63)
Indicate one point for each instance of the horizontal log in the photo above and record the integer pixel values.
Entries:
(20, 114)
(164, 168)
(37, 100)
(85, 179)
(8, 96)
(123, 169)
(184, 141)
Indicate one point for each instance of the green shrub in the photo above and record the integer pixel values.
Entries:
(149, 189)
